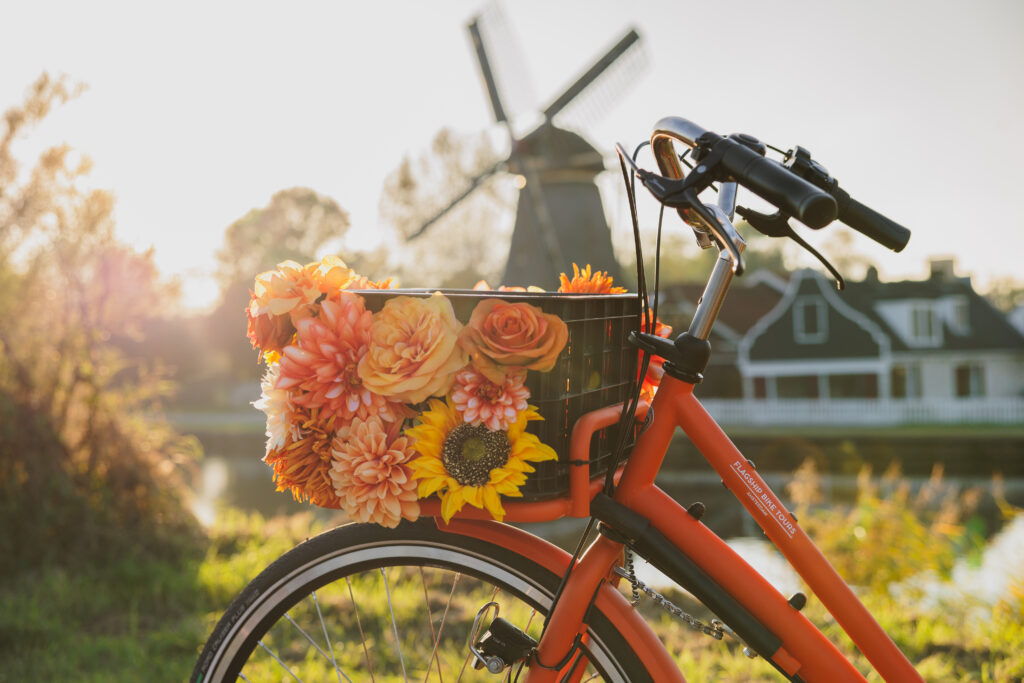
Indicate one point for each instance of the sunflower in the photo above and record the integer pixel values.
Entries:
(466, 463)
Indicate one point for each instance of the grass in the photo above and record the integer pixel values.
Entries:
(136, 619)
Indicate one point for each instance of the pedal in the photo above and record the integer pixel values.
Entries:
(501, 645)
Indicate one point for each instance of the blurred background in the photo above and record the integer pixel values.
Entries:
(153, 160)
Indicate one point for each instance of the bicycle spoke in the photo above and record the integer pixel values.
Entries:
(327, 638)
(359, 625)
(278, 660)
(319, 649)
(394, 625)
(440, 628)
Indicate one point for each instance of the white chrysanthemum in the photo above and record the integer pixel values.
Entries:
(277, 406)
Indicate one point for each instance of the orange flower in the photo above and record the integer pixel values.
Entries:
(655, 369)
(503, 337)
(302, 465)
(371, 475)
(280, 298)
(598, 282)
(321, 367)
(414, 351)
(268, 332)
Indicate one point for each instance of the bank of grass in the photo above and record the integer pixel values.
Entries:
(135, 619)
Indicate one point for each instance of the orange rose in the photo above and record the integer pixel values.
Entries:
(502, 337)
(413, 352)
(268, 332)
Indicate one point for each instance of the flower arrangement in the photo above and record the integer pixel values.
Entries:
(370, 412)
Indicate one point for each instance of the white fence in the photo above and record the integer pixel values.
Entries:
(867, 411)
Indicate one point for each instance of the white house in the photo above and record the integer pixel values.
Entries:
(877, 353)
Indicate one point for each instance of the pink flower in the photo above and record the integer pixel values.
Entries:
(481, 401)
(320, 369)
(371, 476)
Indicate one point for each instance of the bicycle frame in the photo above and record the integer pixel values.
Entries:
(662, 531)
(804, 651)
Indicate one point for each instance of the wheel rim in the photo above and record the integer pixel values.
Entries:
(337, 627)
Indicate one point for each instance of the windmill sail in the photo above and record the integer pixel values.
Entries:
(559, 218)
(628, 41)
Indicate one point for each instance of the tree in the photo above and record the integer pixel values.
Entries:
(82, 473)
(463, 246)
(295, 224)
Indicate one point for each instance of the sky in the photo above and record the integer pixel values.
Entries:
(197, 112)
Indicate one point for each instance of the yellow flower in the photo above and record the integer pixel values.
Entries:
(465, 463)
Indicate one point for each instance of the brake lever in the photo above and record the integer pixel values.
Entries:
(681, 193)
(777, 225)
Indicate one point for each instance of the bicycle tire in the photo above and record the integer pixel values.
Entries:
(315, 579)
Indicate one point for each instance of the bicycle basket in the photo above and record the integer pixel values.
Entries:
(595, 369)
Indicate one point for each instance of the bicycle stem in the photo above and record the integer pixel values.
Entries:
(721, 277)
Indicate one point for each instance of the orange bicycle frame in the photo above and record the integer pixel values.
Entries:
(804, 651)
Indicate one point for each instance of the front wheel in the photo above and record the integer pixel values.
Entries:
(362, 602)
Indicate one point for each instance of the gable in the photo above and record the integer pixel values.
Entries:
(812, 322)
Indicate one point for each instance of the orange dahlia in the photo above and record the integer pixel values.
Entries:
(303, 464)
(585, 281)
(371, 475)
(320, 369)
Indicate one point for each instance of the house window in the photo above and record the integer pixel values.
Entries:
(802, 386)
(853, 386)
(905, 381)
(810, 320)
(970, 380)
(924, 325)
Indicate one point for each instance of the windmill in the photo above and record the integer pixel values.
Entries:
(559, 215)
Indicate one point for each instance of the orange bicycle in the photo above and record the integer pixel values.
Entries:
(470, 598)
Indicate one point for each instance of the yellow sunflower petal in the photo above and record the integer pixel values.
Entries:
(451, 503)
(474, 495)
(429, 487)
(492, 501)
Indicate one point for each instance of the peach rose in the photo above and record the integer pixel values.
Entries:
(413, 352)
(502, 337)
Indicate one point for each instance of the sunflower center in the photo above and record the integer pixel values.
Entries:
(470, 452)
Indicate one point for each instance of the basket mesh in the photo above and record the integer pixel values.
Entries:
(594, 370)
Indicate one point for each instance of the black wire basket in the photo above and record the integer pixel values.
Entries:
(597, 368)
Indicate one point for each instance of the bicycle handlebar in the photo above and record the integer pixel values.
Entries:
(870, 223)
(766, 178)
(803, 189)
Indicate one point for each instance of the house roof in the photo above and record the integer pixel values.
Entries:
(987, 329)
(744, 305)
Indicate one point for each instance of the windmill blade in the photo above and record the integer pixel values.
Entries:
(473, 184)
(506, 60)
(486, 72)
(617, 55)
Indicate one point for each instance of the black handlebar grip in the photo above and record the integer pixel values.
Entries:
(775, 183)
(870, 223)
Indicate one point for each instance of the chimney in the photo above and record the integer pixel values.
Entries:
(942, 269)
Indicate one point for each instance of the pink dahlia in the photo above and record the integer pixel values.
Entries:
(320, 368)
(481, 401)
(371, 475)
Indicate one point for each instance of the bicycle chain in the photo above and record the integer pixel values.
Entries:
(715, 629)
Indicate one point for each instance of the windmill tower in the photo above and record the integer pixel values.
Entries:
(559, 215)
